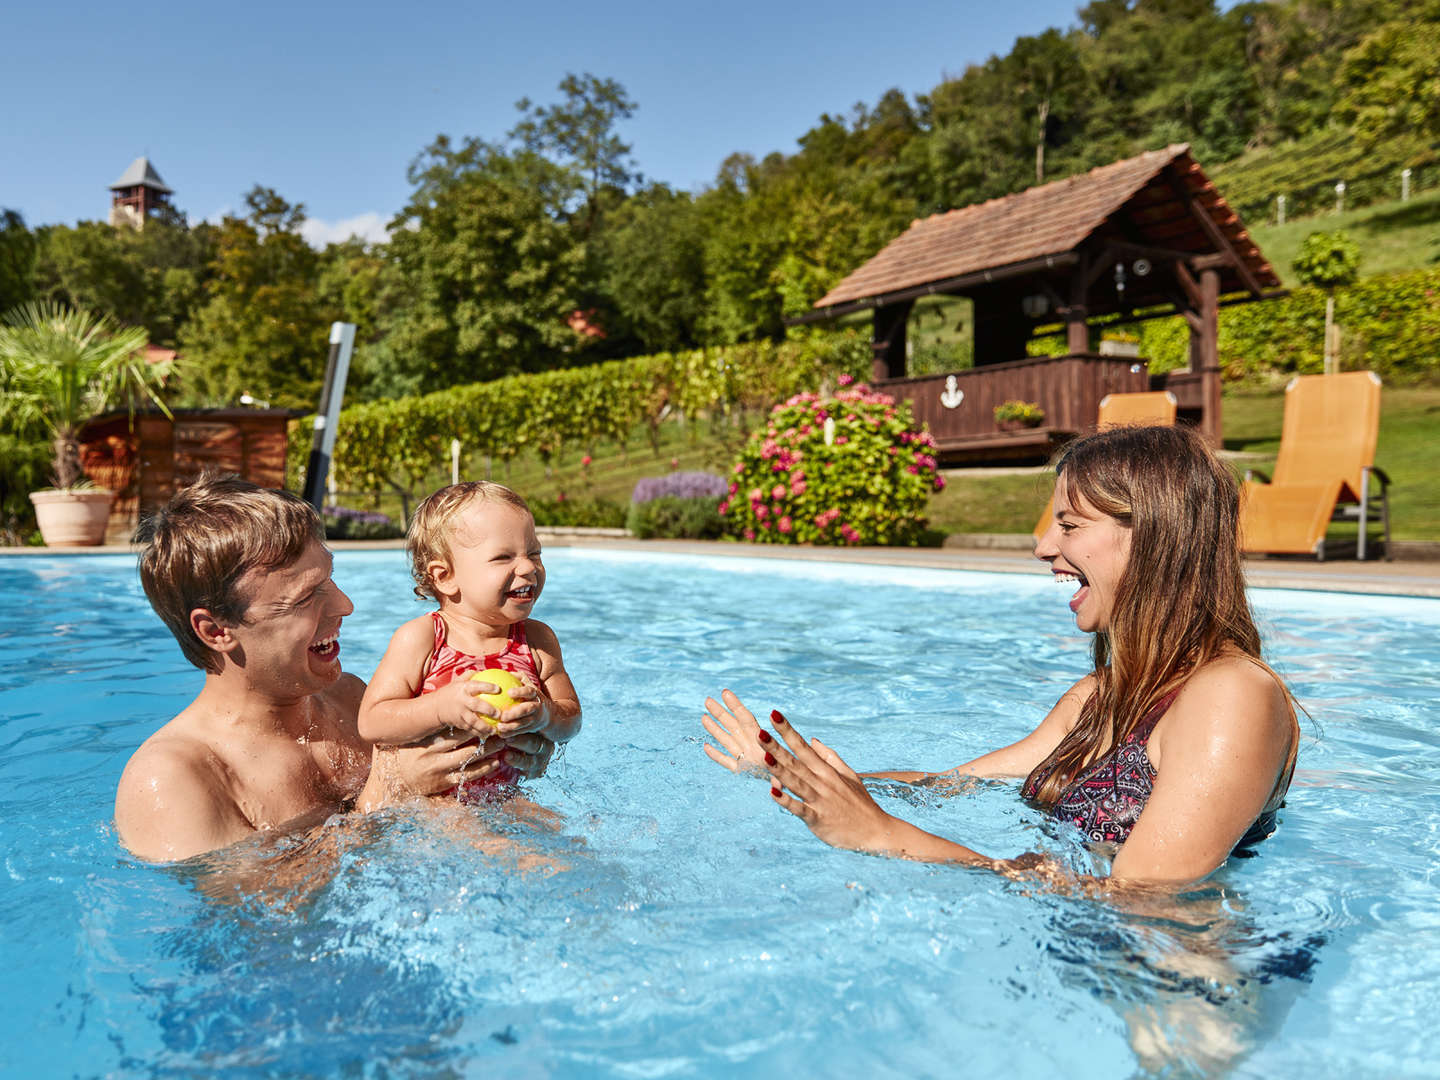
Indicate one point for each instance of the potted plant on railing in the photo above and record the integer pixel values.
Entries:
(1014, 414)
(59, 367)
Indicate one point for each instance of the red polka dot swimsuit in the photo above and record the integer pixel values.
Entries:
(446, 664)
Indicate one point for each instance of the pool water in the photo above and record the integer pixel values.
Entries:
(660, 917)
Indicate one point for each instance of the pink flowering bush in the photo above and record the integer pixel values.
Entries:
(867, 484)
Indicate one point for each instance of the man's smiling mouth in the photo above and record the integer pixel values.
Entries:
(327, 648)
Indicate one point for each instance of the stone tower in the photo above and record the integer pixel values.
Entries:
(138, 191)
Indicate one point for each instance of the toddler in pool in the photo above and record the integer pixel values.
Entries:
(474, 551)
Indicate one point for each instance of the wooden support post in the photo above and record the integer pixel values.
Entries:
(1211, 425)
(887, 343)
(1077, 330)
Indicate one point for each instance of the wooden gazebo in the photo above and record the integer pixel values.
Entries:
(1142, 238)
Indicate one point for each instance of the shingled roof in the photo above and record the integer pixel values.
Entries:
(141, 174)
(1142, 199)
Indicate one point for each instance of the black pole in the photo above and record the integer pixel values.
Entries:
(322, 446)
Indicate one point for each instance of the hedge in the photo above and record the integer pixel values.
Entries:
(397, 445)
(1390, 324)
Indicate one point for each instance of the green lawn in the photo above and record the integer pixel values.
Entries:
(1409, 426)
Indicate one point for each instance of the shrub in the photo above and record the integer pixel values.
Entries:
(1390, 323)
(1028, 413)
(578, 513)
(342, 523)
(681, 485)
(673, 517)
(866, 483)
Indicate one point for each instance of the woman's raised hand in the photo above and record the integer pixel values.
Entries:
(813, 783)
(733, 726)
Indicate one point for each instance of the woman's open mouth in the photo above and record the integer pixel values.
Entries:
(1066, 577)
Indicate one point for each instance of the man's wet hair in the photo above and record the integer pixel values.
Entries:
(199, 545)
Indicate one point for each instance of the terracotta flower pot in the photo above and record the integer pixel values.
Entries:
(72, 518)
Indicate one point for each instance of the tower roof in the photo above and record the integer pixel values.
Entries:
(141, 174)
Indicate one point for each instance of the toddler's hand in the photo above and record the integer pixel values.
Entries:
(458, 705)
(532, 713)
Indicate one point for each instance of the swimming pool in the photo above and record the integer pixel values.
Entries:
(672, 922)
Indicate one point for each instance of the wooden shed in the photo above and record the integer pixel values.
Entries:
(147, 458)
(1143, 238)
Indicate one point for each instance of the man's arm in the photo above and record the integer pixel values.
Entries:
(171, 805)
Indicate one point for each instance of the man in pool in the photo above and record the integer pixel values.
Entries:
(241, 576)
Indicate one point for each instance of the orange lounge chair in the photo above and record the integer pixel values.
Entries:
(1323, 471)
(1157, 408)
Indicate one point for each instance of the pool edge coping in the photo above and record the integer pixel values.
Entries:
(1419, 579)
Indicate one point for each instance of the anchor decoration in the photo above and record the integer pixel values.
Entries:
(952, 395)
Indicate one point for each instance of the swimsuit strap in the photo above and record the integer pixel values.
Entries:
(439, 630)
(1143, 730)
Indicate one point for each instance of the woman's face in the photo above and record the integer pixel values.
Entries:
(1085, 546)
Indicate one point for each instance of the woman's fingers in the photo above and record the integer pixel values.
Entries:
(733, 726)
(738, 709)
(797, 807)
(831, 758)
(720, 735)
(795, 741)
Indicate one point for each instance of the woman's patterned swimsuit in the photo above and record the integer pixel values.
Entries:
(1107, 798)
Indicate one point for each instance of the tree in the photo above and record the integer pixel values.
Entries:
(152, 277)
(262, 329)
(1328, 261)
(651, 254)
(60, 366)
(1392, 79)
(490, 271)
(17, 260)
(1045, 71)
(579, 134)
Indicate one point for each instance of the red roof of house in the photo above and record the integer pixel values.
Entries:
(1055, 219)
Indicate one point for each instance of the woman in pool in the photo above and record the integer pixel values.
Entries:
(1178, 746)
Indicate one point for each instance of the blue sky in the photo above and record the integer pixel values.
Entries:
(328, 105)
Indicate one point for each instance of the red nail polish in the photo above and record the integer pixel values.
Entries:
(775, 791)
(764, 736)
(769, 758)
(776, 717)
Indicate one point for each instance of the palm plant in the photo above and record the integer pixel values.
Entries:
(60, 366)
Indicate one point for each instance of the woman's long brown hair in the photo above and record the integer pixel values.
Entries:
(1180, 602)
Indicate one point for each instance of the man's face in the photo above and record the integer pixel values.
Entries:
(290, 637)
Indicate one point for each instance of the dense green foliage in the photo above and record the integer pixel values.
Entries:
(1391, 326)
(672, 517)
(1328, 260)
(843, 468)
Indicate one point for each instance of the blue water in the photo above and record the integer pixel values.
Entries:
(666, 919)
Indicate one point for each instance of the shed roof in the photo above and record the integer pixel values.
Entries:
(141, 174)
(1144, 199)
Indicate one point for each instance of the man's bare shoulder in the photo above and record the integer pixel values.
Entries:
(345, 695)
(174, 799)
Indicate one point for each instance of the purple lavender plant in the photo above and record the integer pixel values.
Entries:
(684, 485)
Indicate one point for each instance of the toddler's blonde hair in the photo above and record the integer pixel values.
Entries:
(428, 538)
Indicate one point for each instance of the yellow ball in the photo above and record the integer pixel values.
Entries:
(506, 681)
